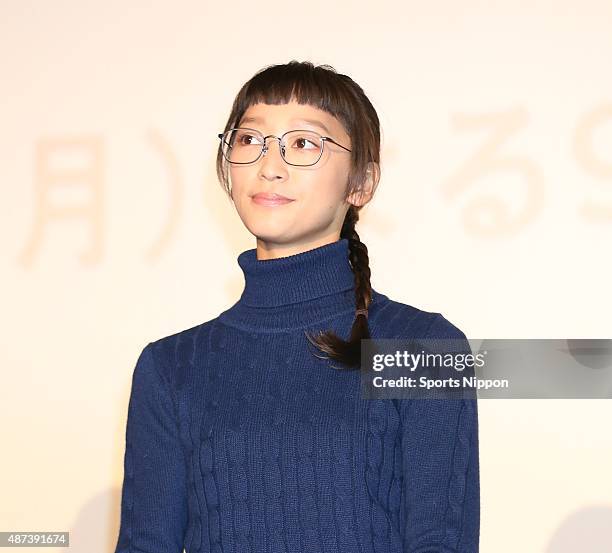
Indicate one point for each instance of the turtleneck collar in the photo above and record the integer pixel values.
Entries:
(295, 278)
(294, 291)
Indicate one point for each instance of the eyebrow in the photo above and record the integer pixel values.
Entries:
(313, 122)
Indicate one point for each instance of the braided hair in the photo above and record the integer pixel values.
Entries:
(348, 351)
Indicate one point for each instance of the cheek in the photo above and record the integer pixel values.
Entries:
(238, 176)
(318, 199)
(325, 187)
(239, 179)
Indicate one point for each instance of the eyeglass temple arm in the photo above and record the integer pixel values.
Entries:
(332, 140)
(220, 135)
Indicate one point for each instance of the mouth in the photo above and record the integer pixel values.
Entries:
(270, 199)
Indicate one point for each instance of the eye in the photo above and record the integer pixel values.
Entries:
(301, 142)
(246, 139)
(304, 141)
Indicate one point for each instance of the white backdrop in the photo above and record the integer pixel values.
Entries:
(494, 208)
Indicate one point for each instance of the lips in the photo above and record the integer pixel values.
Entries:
(270, 198)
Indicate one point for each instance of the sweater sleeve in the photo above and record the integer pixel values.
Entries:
(440, 505)
(153, 499)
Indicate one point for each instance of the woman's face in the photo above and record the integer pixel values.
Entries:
(317, 206)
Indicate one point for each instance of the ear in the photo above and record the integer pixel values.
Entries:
(364, 194)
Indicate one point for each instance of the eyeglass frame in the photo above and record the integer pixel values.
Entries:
(264, 148)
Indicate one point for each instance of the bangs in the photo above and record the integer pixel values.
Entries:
(299, 82)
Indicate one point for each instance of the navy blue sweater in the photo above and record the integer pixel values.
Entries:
(240, 440)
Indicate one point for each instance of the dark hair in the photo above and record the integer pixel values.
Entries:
(337, 94)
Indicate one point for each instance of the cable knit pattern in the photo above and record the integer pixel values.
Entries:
(240, 440)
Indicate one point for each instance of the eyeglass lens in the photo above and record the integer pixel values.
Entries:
(245, 146)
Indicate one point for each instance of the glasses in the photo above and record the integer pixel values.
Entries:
(299, 147)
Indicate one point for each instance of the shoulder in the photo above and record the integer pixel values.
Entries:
(173, 354)
(401, 320)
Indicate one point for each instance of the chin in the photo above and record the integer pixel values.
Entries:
(269, 232)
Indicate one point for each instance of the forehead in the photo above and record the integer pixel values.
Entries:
(276, 117)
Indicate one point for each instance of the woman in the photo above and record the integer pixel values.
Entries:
(248, 433)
